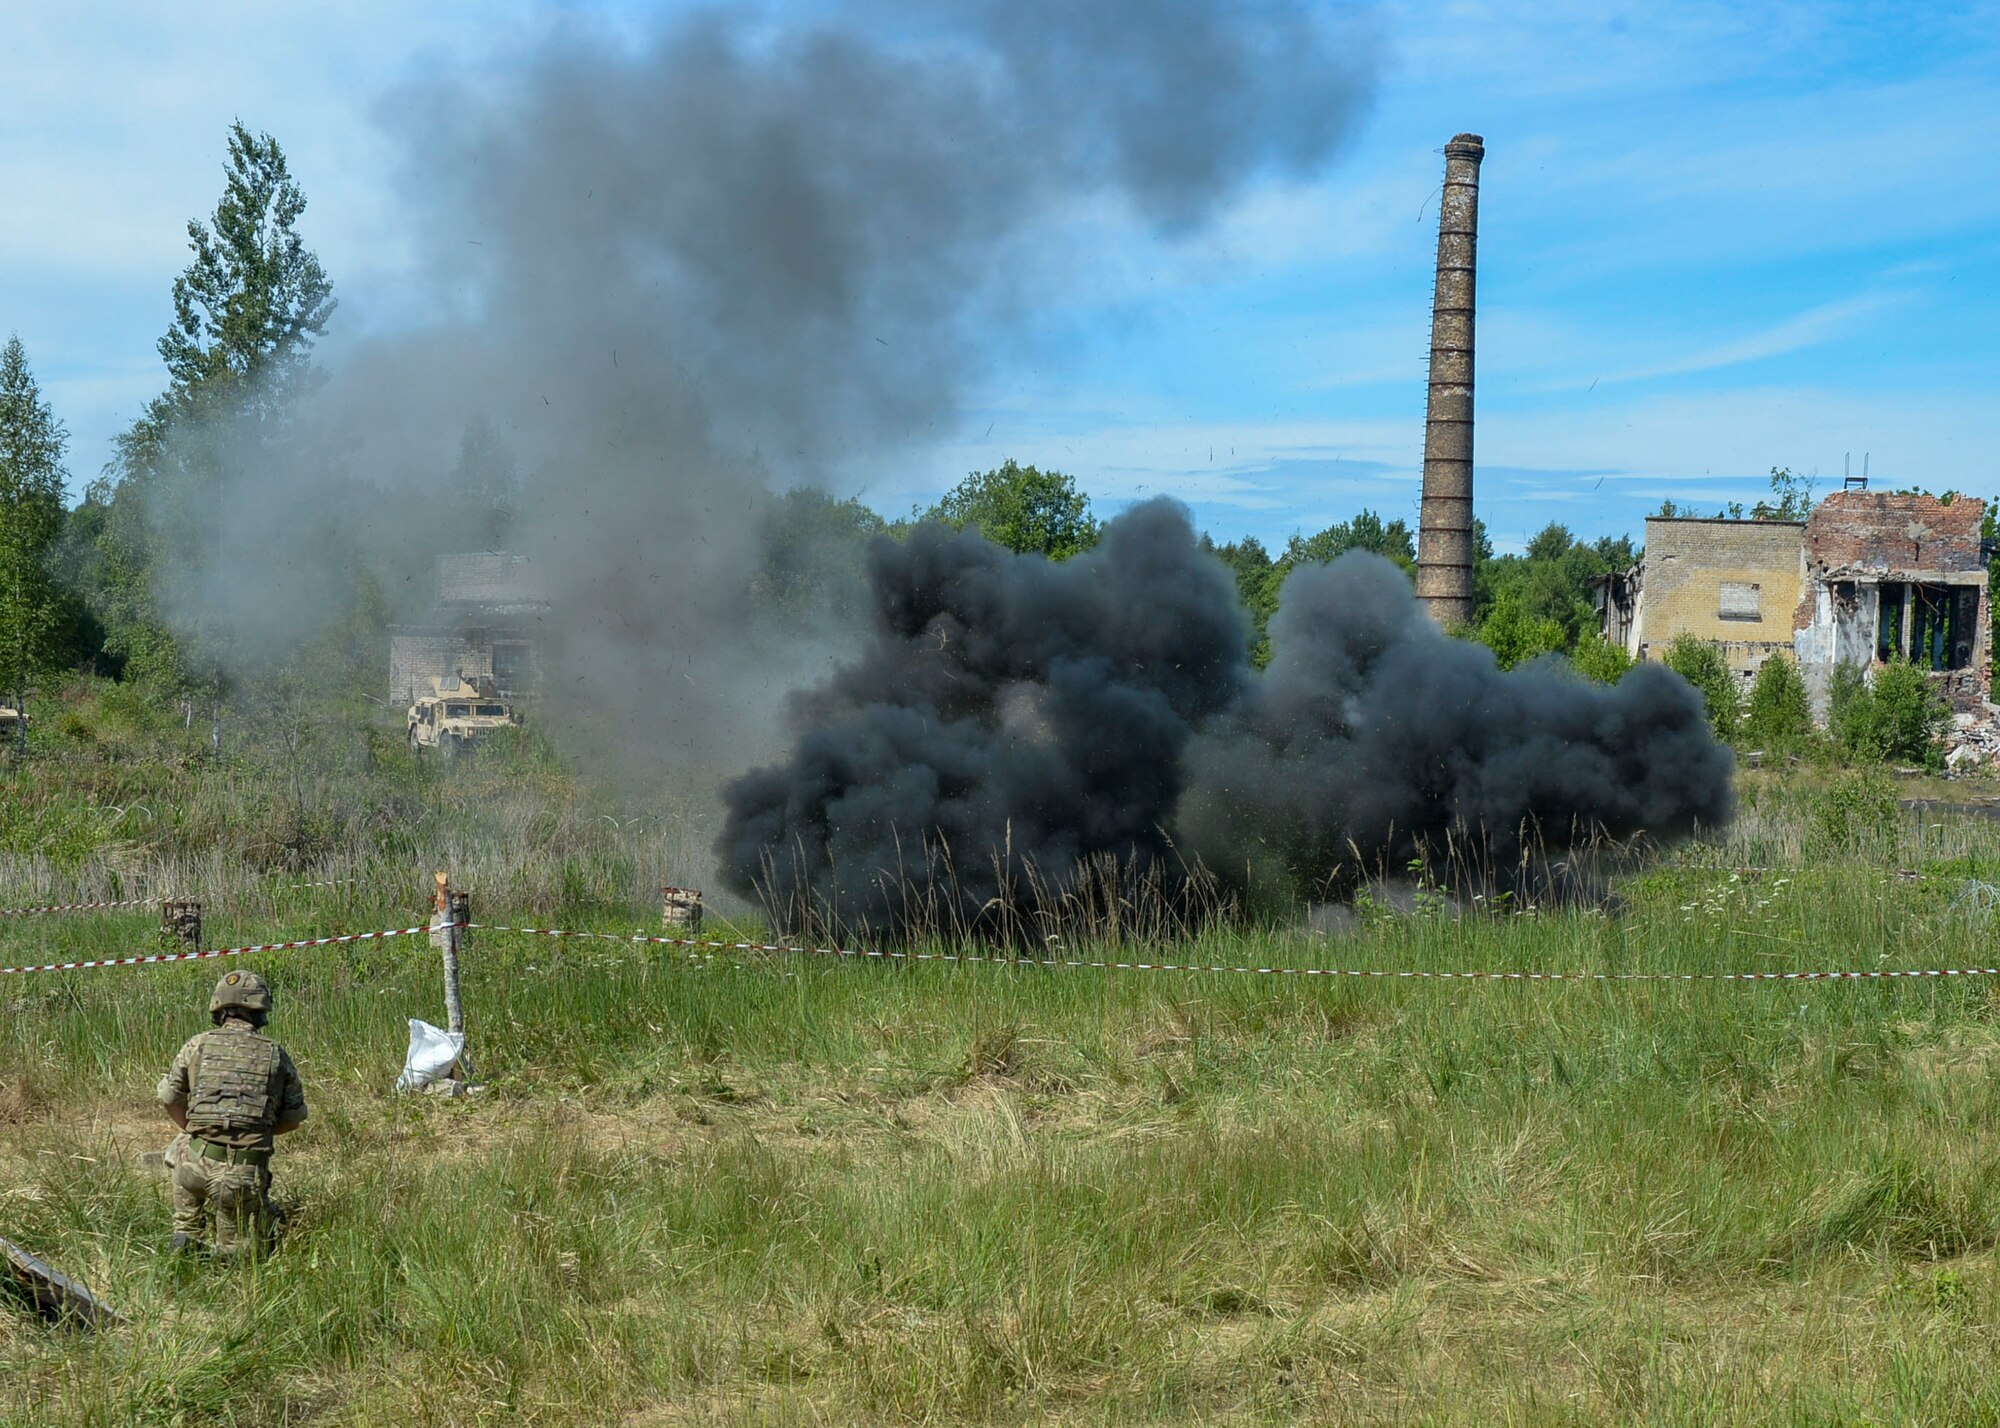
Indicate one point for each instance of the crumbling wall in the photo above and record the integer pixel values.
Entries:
(1859, 544)
(488, 577)
(482, 626)
(1876, 532)
(1618, 595)
(418, 655)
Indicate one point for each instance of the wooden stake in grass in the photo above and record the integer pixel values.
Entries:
(450, 912)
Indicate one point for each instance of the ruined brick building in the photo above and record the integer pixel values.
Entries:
(1868, 577)
(483, 624)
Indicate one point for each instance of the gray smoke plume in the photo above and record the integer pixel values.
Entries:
(1010, 720)
(672, 276)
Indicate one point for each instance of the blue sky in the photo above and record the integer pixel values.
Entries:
(1714, 238)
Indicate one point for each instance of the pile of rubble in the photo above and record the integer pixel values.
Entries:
(1972, 744)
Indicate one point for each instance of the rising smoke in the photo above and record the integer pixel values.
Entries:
(733, 257)
(674, 276)
(1009, 720)
(1373, 740)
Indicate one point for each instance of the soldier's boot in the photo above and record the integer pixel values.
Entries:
(181, 1242)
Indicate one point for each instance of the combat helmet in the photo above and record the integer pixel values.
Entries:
(244, 992)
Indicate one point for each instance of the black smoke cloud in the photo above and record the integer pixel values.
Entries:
(1009, 719)
(1373, 740)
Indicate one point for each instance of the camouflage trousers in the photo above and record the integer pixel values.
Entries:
(232, 1201)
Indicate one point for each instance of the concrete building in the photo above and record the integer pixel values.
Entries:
(1733, 583)
(483, 624)
(1867, 578)
(1893, 576)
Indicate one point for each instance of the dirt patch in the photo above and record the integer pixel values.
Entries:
(20, 1101)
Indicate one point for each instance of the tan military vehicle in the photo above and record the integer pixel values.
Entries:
(11, 722)
(452, 714)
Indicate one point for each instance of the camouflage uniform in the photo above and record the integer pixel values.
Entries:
(236, 1086)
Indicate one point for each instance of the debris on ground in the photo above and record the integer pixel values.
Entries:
(51, 1293)
(1976, 900)
(1971, 745)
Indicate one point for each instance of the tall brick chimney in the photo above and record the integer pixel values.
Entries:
(1444, 530)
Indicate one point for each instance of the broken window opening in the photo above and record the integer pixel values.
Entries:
(510, 666)
(1889, 623)
(1965, 626)
(1940, 633)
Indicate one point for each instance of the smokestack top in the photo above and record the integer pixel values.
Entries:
(1465, 146)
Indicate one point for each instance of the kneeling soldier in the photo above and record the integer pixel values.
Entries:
(231, 1090)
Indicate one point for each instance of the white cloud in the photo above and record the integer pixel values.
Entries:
(1824, 323)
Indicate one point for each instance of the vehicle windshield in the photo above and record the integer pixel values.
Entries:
(457, 711)
(494, 711)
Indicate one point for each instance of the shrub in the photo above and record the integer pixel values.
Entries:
(1597, 658)
(1910, 716)
(1855, 810)
(1780, 714)
(1514, 635)
(1847, 698)
(1899, 717)
(1701, 664)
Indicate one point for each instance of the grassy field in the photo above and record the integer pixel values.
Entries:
(778, 1189)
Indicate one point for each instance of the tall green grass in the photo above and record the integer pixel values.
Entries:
(750, 1188)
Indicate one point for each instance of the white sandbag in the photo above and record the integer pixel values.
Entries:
(432, 1055)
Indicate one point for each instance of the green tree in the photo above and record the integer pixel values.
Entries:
(1849, 711)
(1260, 577)
(32, 444)
(1247, 560)
(1515, 633)
(1597, 658)
(1551, 542)
(1701, 664)
(1250, 563)
(1900, 716)
(1552, 582)
(1791, 497)
(251, 304)
(1366, 531)
(1779, 716)
(247, 311)
(814, 552)
(1615, 552)
(1022, 509)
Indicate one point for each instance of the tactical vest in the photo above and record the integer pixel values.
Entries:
(235, 1087)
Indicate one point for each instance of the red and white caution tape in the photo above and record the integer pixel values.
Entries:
(882, 954)
(216, 951)
(77, 906)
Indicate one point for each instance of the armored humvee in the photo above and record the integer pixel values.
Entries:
(452, 713)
